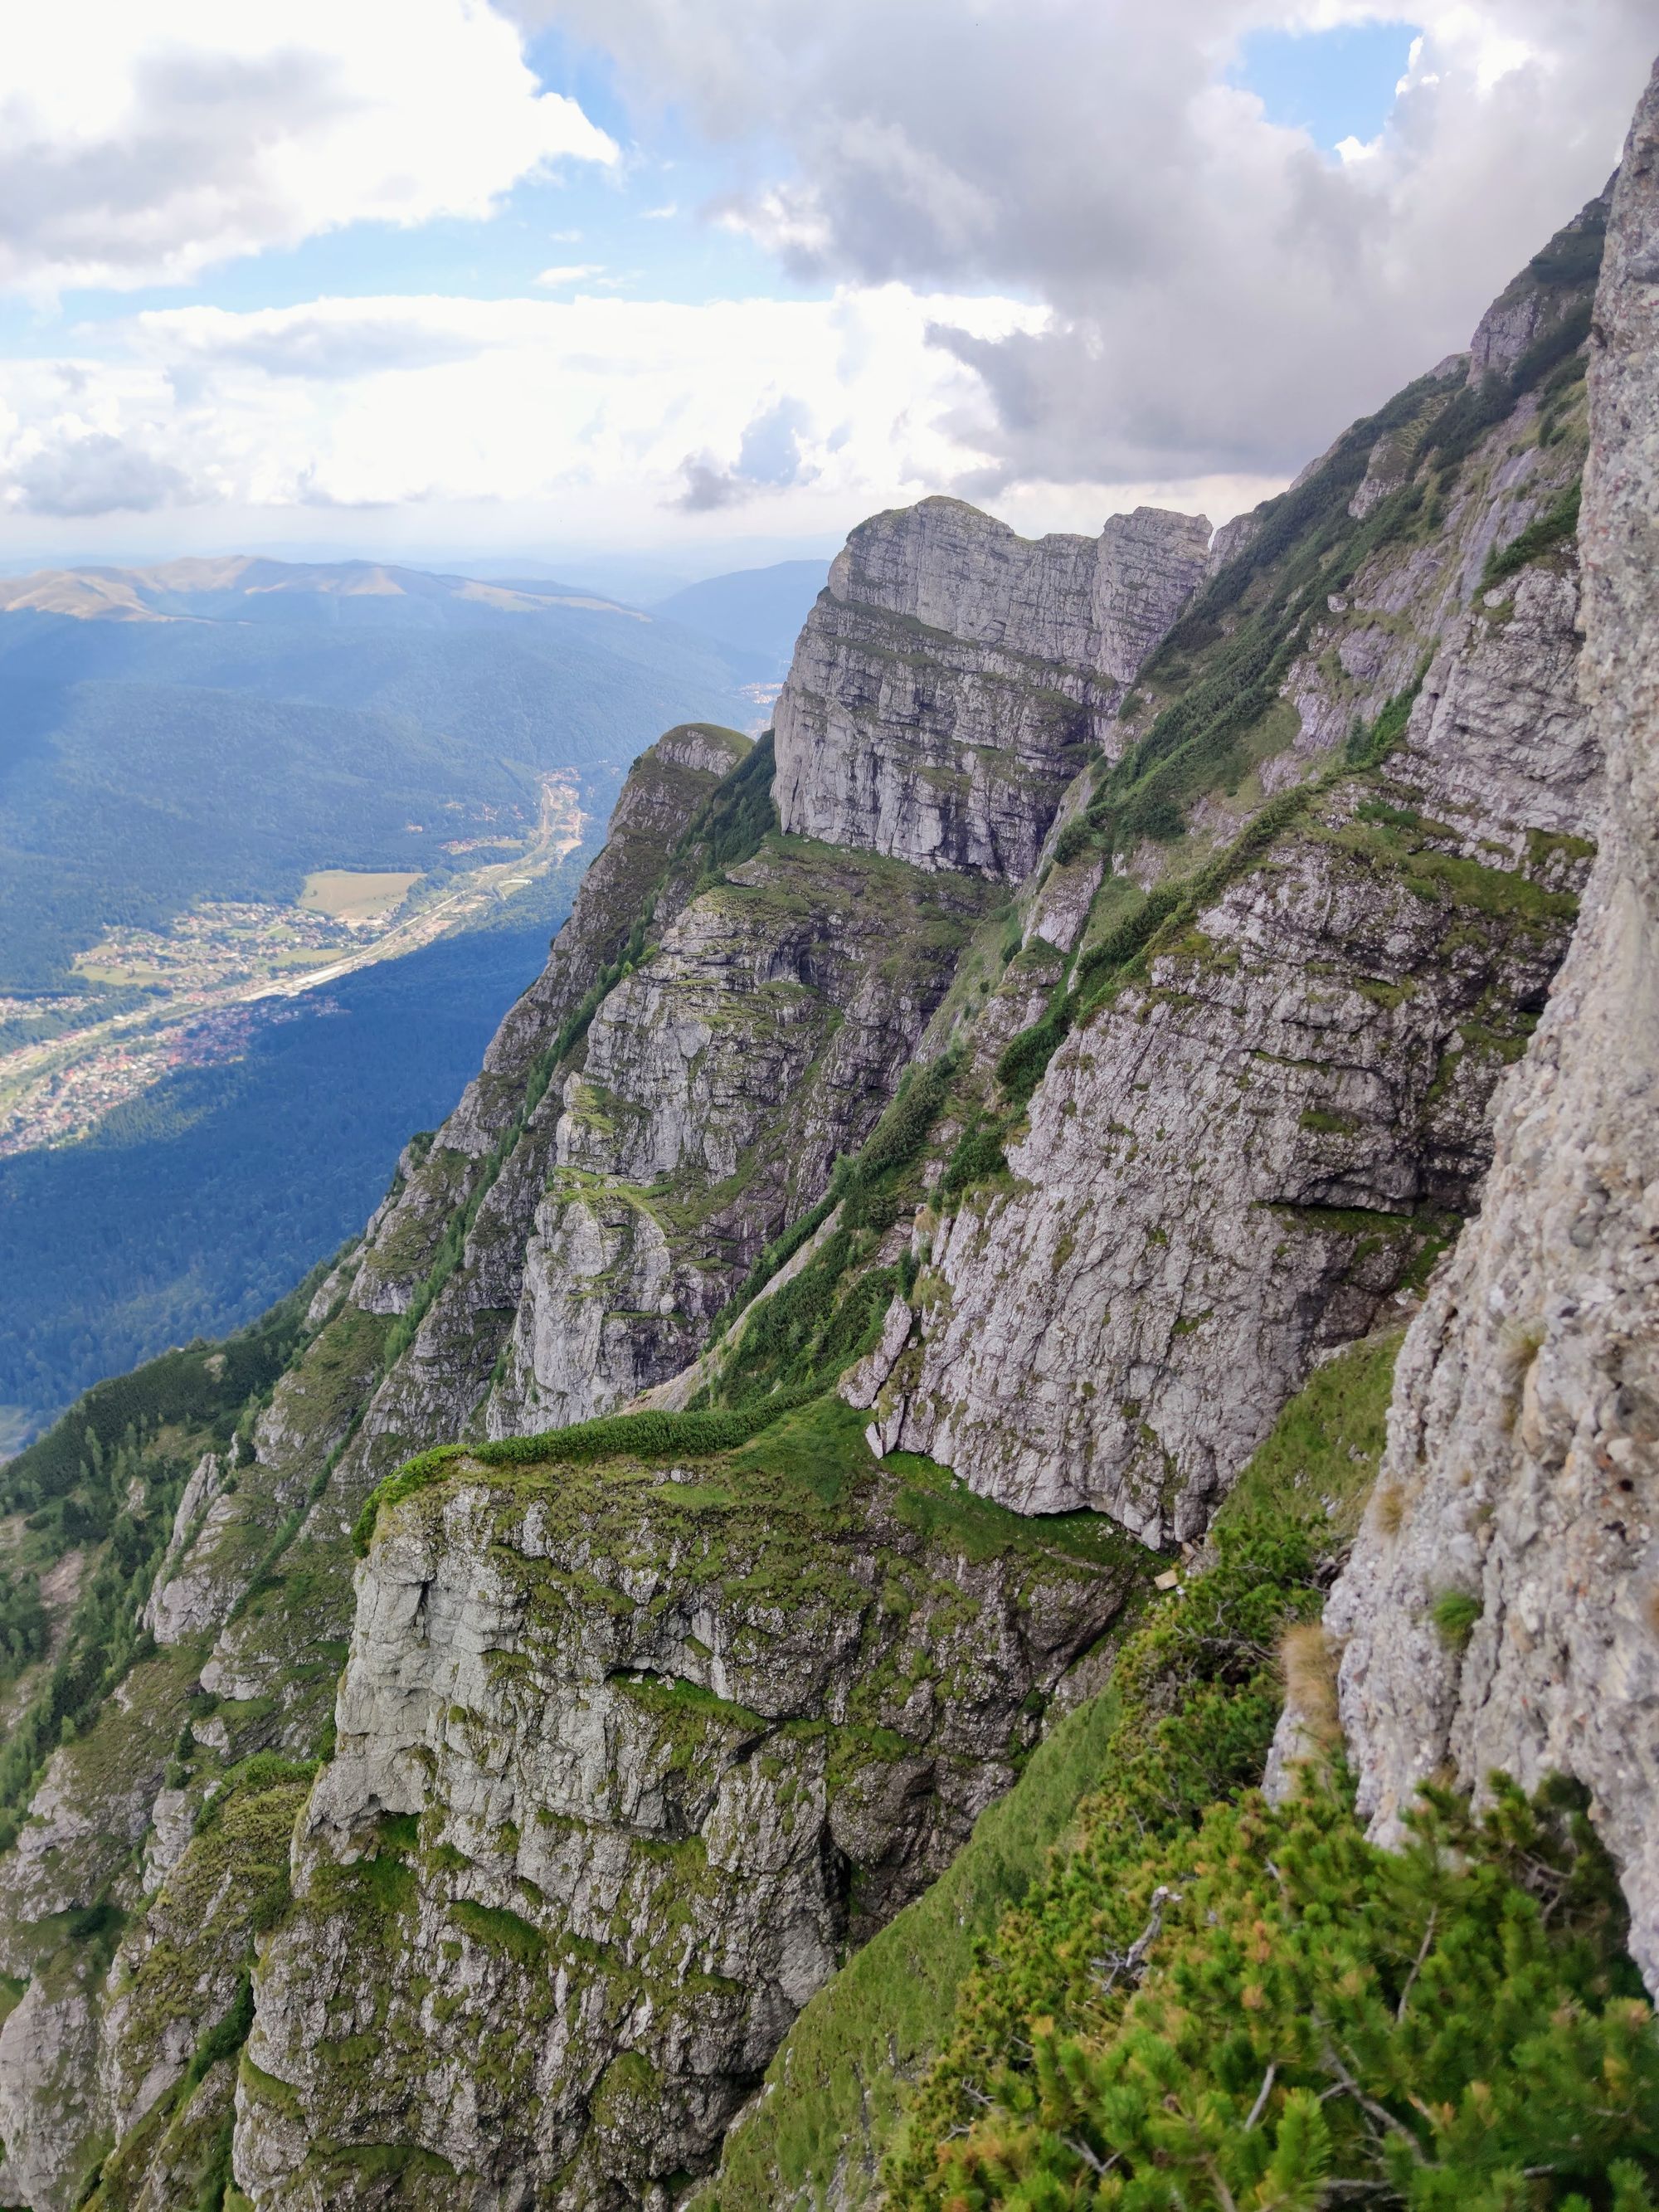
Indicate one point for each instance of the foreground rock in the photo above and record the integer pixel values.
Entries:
(628, 1756)
(1502, 1608)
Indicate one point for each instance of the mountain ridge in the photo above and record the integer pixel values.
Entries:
(784, 1386)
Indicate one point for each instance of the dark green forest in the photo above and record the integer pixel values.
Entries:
(198, 1206)
(145, 766)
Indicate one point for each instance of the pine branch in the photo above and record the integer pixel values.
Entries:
(1261, 2095)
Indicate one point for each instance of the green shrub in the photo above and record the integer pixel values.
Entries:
(1073, 842)
(978, 1155)
(1553, 527)
(1274, 2012)
(1455, 1614)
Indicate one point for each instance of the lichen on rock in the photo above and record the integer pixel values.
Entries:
(629, 1755)
(1501, 1610)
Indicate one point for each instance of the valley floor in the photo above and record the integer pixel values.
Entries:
(223, 971)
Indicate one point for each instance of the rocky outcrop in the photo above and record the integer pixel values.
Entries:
(1501, 1609)
(182, 1969)
(1535, 306)
(663, 789)
(46, 2112)
(1225, 1170)
(254, 1586)
(720, 1083)
(628, 1754)
(172, 1611)
(953, 678)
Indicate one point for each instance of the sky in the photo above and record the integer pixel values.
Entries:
(701, 283)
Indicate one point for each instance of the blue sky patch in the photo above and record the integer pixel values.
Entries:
(1334, 84)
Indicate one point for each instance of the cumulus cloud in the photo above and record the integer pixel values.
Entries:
(1225, 293)
(709, 486)
(584, 408)
(91, 472)
(143, 145)
(772, 456)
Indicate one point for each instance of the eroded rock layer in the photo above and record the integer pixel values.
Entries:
(1247, 1144)
(1502, 1608)
(953, 678)
(628, 1756)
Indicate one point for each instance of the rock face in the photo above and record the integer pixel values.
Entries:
(627, 1755)
(664, 788)
(1226, 1170)
(953, 678)
(1501, 1607)
(1536, 306)
(721, 1084)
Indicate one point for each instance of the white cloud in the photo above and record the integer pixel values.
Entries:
(1223, 294)
(596, 410)
(144, 144)
(89, 472)
(1067, 266)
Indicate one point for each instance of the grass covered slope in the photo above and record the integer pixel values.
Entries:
(1194, 2002)
(1186, 1720)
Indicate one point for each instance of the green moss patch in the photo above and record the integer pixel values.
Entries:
(666, 1437)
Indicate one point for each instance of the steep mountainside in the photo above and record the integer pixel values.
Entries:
(216, 730)
(1501, 1609)
(963, 1146)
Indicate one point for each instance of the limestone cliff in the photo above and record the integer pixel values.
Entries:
(629, 1755)
(953, 678)
(1501, 1609)
(1228, 1167)
(958, 1148)
(1254, 1101)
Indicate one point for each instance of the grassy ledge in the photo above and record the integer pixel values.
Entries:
(614, 1436)
(1185, 1722)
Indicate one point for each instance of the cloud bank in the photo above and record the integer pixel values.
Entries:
(144, 144)
(1043, 253)
(1224, 294)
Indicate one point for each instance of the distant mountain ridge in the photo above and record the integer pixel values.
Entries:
(217, 729)
(172, 590)
(753, 609)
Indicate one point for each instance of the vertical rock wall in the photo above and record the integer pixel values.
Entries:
(953, 677)
(1501, 1607)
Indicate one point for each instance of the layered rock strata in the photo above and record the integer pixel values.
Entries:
(1223, 1172)
(953, 678)
(720, 1083)
(658, 800)
(1501, 1609)
(628, 1755)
